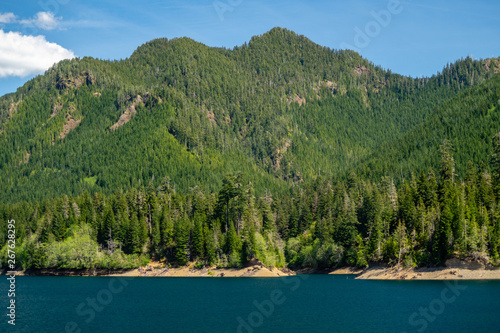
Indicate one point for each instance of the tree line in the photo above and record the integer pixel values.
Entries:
(423, 221)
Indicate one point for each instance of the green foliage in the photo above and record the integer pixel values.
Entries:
(390, 251)
(182, 242)
(198, 248)
(355, 223)
(329, 255)
(279, 150)
(90, 180)
(280, 109)
(463, 122)
(78, 251)
(210, 246)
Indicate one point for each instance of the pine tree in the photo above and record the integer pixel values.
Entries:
(407, 207)
(143, 231)
(267, 215)
(360, 252)
(182, 241)
(495, 237)
(58, 226)
(209, 246)
(151, 206)
(198, 251)
(495, 165)
(473, 237)
(86, 209)
(226, 193)
(347, 233)
(376, 239)
(45, 233)
(133, 243)
(401, 239)
(107, 232)
(122, 222)
(443, 236)
(293, 221)
(249, 248)
(305, 218)
(232, 241)
(447, 169)
(155, 236)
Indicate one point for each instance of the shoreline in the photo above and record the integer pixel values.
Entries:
(429, 274)
(256, 270)
(155, 269)
(454, 270)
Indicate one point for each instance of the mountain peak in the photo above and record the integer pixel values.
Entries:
(280, 33)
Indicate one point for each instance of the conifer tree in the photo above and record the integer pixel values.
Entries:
(107, 231)
(495, 165)
(182, 241)
(443, 236)
(58, 226)
(198, 244)
(232, 241)
(133, 243)
(267, 215)
(209, 246)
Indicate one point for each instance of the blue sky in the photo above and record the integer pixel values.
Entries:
(415, 37)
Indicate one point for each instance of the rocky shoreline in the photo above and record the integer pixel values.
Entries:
(454, 270)
(156, 269)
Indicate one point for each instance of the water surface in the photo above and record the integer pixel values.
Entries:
(309, 303)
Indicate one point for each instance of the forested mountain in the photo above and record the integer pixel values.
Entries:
(280, 109)
(469, 121)
(280, 149)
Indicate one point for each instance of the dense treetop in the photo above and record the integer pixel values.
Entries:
(280, 108)
(279, 149)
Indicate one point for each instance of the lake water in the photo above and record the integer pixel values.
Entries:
(310, 303)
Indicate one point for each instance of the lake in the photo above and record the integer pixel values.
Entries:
(304, 303)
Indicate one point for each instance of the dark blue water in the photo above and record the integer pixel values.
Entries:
(315, 303)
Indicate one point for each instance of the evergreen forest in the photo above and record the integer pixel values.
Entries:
(280, 150)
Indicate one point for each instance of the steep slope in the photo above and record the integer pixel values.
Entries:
(280, 108)
(136, 159)
(469, 121)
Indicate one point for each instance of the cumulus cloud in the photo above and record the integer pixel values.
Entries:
(22, 55)
(43, 20)
(7, 17)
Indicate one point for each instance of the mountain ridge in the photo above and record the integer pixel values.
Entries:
(280, 150)
(291, 108)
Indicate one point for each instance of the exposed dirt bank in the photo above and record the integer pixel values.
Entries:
(156, 269)
(455, 270)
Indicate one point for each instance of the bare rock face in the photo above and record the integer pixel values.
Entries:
(75, 82)
(131, 109)
(492, 63)
(129, 112)
(359, 70)
(69, 125)
(13, 108)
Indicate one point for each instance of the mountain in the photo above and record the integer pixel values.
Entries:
(280, 150)
(279, 108)
(469, 121)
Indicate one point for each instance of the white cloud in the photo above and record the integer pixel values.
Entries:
(7, 17)
(22, 55)
(43, 20)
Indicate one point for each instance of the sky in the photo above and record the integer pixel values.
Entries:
(413, 37)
